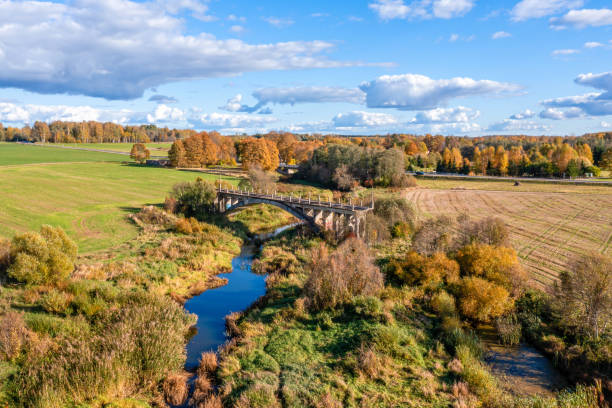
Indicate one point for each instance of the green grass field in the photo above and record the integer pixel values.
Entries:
(157, 149)
(90, 201)
(18, 154)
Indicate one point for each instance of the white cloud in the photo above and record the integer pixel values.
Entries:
(227, 121)
(583, 18)
(601, 81)
(451, 8)
(527, 9)
(592, 104)
(593, 44)
(421, 9)
(558, 114)
(527, 114)
(112, 49)
(453, 37)
(237, 29)
(605, 124)
(198, 8)
(165, 113)
(360, 119)
(419, 92)
(23, 114)
(460, 114)
(233, 17)
(279, 22)
(513, 125)
(565, 52)
(233, 104)
(500, 34)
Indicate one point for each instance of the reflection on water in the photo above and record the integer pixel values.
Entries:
(242, 289)
(522, 369)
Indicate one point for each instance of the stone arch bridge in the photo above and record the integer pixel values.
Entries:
(327, 215)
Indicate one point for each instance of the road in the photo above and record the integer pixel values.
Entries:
(519, 179)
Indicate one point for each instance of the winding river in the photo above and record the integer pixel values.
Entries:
(242, 289)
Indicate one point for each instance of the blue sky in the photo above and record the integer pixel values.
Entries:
(464, 67)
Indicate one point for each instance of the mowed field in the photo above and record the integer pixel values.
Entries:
(86, 193)
(549, 224)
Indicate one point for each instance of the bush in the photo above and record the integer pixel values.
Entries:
(195, 199)
(431, 271)
(443, 304)
(584, 294)
(488, 231)
(434, 235)
(188, 226)
(508, 330)
(480, 381)
(133, 348)
(482, 300)
(396, 210)
(376, 229)
(401, 230)
(259, 180)
(42, 258)
(56, 301)
(274, 259)
(175, 388)
(5, 257)
(13, 335)
(335, 279)
(497, 264)
(171, 205)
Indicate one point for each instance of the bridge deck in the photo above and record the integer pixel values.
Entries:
(289, 200)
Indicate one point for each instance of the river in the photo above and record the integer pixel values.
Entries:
(212, 306)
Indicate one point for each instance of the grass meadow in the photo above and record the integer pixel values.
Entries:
(12, 154)
(157, 149)
(76, 190)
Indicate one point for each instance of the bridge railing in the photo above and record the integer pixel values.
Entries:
(297, 200)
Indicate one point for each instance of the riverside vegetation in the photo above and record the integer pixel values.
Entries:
(393, 326)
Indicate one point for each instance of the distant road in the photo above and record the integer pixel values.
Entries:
(519, 179)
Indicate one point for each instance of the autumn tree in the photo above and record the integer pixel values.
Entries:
(140, 153)
(177, 154)
(584, 294)
(482, 300)
(41, 132)
(258, 152)
(496, 264)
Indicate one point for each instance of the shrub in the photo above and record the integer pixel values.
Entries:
(480, 381)
(275, 259)
(259, 180)
(497, 264)
(139, 153)
(508, 329)
(188, 226)
(401, 230)
(175, 388)
(488, 231)
(376, 229)
(208, 363)
(368, 306)
(335, 279)
(13, 335)
(369, 362)
(431, 271)
(434, 235)
(194, 199)
(171, 205)
(394, 210)
(42, 258)
(584, 294)
(443, 304)
(56, 301)
(5, 257)
(482, 300)
(133, 347)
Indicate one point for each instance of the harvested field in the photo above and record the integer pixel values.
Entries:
(546, 228)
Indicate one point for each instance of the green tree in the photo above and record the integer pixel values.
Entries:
(194, 199)
(42, 258)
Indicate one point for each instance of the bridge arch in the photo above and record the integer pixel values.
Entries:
(253, 201)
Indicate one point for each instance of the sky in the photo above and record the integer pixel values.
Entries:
(452, 67)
